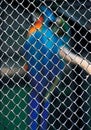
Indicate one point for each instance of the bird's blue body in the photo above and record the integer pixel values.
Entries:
(42, 54)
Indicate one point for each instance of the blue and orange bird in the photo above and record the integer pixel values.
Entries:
(44, 65)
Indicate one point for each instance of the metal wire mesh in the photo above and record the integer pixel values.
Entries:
(69, 91)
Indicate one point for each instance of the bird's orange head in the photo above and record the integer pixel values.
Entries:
(37, 25)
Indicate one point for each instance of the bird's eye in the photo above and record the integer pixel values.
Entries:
(34, 19)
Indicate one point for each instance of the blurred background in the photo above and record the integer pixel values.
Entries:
(71, 106)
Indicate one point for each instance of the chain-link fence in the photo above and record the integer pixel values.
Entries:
(39, 89)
